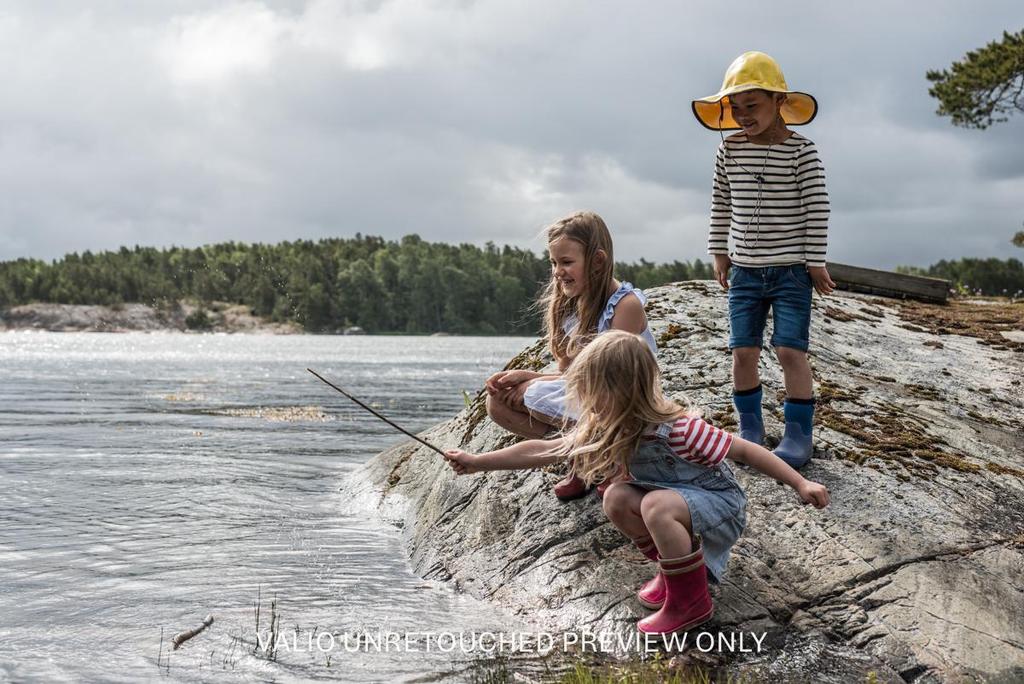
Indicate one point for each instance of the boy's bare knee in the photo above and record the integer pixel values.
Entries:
(746, 356)
(790, 357)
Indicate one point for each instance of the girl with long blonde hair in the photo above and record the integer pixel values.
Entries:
(681, 504)
(582, 300)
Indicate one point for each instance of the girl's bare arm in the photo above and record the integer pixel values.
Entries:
(533, 453)
(764, 461)
(629, 316)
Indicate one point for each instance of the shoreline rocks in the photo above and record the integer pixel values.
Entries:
(913, 573)
(184, 316)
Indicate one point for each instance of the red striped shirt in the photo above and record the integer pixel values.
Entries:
(698, 441)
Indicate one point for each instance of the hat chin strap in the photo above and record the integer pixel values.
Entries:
(759, 177)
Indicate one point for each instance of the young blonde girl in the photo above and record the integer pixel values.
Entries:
(681, 504)
(581, 300)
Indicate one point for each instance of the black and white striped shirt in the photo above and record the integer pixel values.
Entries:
(788, 224)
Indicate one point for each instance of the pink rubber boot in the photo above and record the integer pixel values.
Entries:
(652, 593)
(687, 601)
(571, 487)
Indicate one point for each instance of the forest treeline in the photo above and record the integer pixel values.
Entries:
(994, 277)
(409, 285)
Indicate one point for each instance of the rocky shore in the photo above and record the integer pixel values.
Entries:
(914, 573)
(216, 317)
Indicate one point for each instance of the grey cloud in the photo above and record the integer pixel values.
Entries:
(493, 119)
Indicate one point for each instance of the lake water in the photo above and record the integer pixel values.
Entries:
(147, 480)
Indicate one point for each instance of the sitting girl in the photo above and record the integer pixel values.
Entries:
(581, 300)
(681, 505)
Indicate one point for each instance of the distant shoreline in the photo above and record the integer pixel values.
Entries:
(217, 317)
(220, 318)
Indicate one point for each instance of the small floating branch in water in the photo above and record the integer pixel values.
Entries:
(182, 637)
(389, 422)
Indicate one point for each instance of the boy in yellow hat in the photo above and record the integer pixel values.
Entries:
(769, 196)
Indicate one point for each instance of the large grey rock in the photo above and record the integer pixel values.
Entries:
(915, 572)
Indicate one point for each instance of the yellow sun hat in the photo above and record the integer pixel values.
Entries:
(753, 71)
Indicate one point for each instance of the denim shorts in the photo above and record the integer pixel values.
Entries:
(786, 290)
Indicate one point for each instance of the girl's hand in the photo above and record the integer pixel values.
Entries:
(813, 493)
(503, 380)
(491, 385)
(461, 462)
(514, 396)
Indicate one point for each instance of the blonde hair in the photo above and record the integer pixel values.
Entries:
(615, 385)
(589, 230)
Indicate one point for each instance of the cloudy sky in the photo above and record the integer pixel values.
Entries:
(185, 122)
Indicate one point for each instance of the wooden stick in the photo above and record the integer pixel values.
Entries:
(182, 637)
(397, 427)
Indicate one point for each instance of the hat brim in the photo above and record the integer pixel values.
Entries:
(715, 114)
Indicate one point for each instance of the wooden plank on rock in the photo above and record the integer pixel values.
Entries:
(889, 284)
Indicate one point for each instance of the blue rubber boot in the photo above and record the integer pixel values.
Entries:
(797, 443)
(748, 408)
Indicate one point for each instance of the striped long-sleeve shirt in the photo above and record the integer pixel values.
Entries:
(782, 220)
(698, 441)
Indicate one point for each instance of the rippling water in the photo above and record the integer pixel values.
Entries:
(147, 480)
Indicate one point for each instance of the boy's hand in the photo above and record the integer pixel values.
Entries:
(461, 462)
(722, 265)
(821, 280)
(813, 493)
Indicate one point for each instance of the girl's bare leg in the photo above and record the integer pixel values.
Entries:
(667, 516)
(622, 505)
(517, 422)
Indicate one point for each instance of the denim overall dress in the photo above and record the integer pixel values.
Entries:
(718, 506)
(547, 397)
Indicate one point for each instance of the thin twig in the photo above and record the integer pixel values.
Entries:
(256, 606)
(389, 422)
